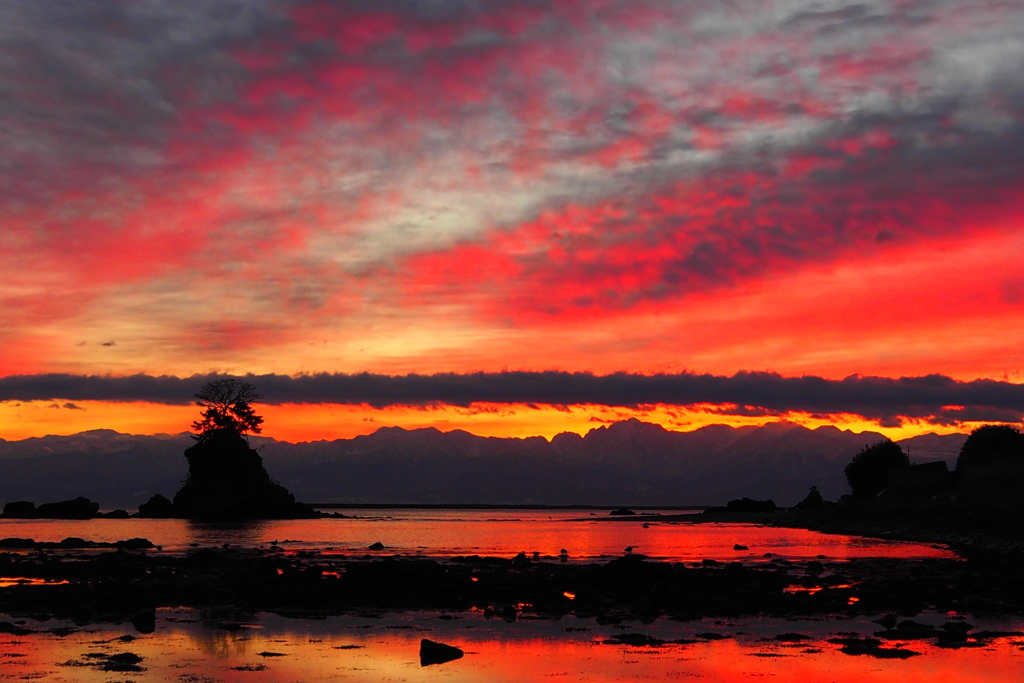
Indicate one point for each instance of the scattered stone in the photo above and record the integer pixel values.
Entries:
(123, 661)
(870, 647)
(643, 640)
(711, 636)
(13, 629)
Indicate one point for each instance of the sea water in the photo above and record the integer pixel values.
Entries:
(584, 535)
(206, 646)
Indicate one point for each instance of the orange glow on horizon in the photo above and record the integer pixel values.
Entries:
(315, 422)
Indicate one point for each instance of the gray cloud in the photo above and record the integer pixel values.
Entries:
(96, 84)
(933, 398)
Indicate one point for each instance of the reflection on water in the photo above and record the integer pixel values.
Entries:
(195, 646)
(243, 533)
(444, 533)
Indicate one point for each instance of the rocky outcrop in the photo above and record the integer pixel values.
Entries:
(227, 480)
(79, 508)
(157, 507)
(20, 509)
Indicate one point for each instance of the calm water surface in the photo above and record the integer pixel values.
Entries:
(200, 647)
(210, 646)
(444, 533)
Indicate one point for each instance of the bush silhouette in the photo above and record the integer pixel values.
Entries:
(868, 472)
(990, 443)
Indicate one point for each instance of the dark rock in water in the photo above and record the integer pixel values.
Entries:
(749, 505)
(135, 544)
(432, 652)
(376, 546)
(144, 620)
(157, 507)
(871, 647)
(12, 629)
(740, 546)
(622, 511)
(644, 640)
(115, 514)
(122, 661)
(21, 509)
(227, 480)
(79, 508)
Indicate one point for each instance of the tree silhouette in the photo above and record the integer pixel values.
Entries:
(991, 442)
(868, 472)
(226, 406)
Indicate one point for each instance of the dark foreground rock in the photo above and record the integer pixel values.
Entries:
(227, 480)
(127, 585)
(432, 652)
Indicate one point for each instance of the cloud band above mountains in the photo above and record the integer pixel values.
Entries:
(933, 398)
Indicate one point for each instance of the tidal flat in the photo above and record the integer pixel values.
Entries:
(789, 604)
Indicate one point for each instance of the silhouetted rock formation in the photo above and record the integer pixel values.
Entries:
(79, 508)
(21, 509)
(227, 480)
(157, 507)
(748, 505)
(813, 500)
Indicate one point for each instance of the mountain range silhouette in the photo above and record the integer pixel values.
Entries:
(625, 463)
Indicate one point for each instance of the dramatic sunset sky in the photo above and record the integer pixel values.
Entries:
(512, 216)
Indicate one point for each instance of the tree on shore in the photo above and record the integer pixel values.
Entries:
(227, 406)
(989, 443)
(868, 472)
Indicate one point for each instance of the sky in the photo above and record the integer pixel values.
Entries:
(514, 216)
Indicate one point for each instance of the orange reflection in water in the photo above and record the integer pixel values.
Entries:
(443, 533)
(271, 649)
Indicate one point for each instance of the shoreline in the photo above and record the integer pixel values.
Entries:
(101, 585)
(993, 533)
